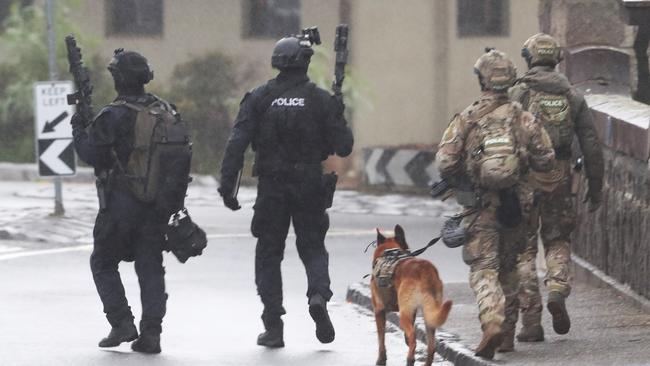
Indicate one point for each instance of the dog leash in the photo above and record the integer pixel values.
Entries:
(416, 253)
(431, 243)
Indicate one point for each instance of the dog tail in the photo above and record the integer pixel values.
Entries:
(436, 315)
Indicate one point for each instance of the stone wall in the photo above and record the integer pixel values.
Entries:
(616, 239)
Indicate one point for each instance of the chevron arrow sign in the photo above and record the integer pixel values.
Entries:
(400, 167)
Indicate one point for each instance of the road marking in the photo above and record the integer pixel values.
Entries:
(7, 254)
(31, 253)
(293, 235)
(7, 249)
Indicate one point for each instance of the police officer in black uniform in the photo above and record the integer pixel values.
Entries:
(126, 229)
(293, 126)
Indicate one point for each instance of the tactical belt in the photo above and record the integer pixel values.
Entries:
(280, 169)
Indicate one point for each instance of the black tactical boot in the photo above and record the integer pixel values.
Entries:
(125, 332)
(273, 336)
(557, 308)
(318, 311)
(147, 343)
(532, 333)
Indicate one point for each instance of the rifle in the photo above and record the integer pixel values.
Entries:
(83, 97)
(341, 49)
(440, 188)
(460, 186)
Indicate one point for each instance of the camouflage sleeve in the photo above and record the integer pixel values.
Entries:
(589, 143)
(450, 155)
(540, 148)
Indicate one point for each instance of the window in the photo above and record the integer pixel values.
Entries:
(134, 17)
(5, 7)
(271, 18)
(483, 18)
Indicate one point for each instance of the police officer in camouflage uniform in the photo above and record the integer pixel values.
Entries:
(564, 114)
(494, 215)
(293, 126)
(126, 229)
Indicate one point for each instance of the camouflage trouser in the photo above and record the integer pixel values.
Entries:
(491, 253)
(557, 216)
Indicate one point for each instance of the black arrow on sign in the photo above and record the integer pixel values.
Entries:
(49, 126)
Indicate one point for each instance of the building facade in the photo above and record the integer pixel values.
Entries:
(415, 58)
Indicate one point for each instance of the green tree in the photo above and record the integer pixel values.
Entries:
(204, 91)
(24, 61)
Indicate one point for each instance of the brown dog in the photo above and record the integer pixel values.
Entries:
(405, 284)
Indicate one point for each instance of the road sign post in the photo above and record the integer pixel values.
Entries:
(51, 47)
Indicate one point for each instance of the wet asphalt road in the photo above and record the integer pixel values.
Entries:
(50, 313)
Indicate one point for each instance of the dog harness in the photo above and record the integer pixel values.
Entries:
(383, 271)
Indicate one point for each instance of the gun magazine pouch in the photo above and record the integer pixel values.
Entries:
(185, 238)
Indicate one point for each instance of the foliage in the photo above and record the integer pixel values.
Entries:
(204, 91)
(355, 92)
(23, 45)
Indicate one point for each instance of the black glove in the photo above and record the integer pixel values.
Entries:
(228, 200)
(77, 121)
(595, 198)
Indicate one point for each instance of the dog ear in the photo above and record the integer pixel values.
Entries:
(400, 238)
(380, 237)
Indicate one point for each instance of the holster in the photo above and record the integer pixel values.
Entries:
(509, 211)
(103, 186)
(329, 187)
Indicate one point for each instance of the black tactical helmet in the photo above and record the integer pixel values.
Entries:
(130, 66)
(295, 51)
(291, 52)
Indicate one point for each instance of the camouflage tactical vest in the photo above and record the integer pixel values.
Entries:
(554, 112)
(383, 270)
(158, 168)
(492, 149)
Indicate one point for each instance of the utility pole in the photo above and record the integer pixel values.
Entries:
(51, 48)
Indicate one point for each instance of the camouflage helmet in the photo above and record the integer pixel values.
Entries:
(541, 49)
(130, 66)
(495, 70)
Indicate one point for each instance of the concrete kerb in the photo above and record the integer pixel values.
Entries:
(585, 272)
(447, 344)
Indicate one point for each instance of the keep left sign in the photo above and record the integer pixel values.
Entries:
(53, 130)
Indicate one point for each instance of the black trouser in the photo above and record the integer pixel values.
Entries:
(278, 203)
(136, 235)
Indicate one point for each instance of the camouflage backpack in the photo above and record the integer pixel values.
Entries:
(554, 112)
(158, 168)
(493, 160)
